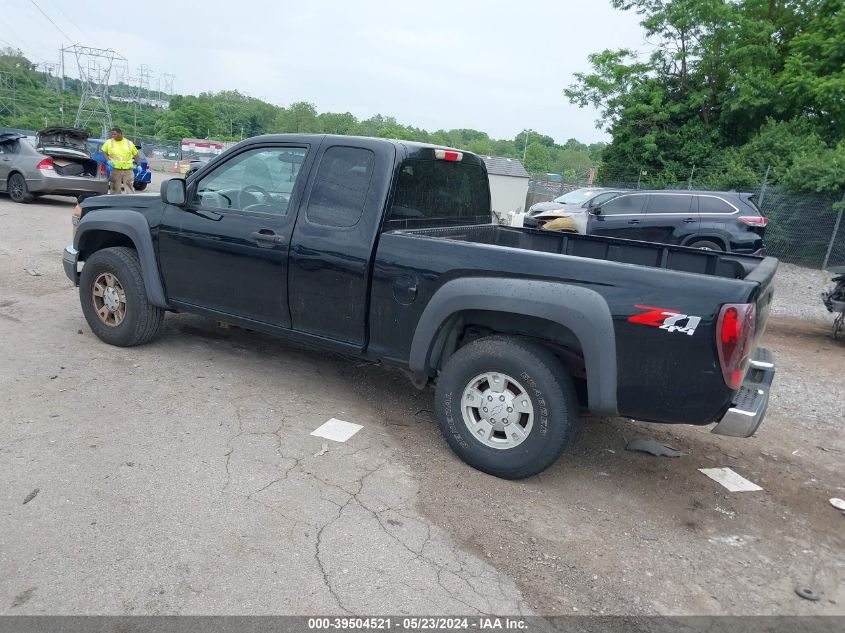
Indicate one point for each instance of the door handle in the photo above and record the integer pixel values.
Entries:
(268, 237)
(688, 220)
(633, 221)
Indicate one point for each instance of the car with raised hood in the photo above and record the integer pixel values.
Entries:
(55, 162)
(384, 250)
(573, 204)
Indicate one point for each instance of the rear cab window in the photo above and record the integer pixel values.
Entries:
(434, 193)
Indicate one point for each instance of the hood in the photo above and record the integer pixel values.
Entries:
(543, 207)
(562, 211)
(63, 137)
(136, 201)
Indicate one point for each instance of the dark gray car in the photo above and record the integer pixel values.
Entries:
(56, 161)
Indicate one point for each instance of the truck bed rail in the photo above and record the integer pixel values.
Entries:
(679, 258)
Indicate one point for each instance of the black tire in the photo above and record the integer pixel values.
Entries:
(707, 245)
(139, 186)
(548, 386)
(140, 320)
(16, 186)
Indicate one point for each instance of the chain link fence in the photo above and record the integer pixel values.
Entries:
(806, 228)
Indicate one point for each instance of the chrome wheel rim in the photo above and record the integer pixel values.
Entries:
(109, 299)
(497, 410)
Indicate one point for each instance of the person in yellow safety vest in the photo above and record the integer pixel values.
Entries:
(120, 153)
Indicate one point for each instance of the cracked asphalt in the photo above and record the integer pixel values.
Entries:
(180, 478)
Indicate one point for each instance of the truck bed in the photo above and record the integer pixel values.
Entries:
(679, 258)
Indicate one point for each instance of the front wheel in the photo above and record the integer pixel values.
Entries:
(506, 406)
(139, 186)
(114, 298)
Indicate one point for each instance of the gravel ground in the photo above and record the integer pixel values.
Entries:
(798, 293)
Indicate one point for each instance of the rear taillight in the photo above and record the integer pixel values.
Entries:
(46, 165)
(734, 339)
(754, 220)
(102, 169)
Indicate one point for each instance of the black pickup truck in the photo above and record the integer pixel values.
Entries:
(384, 249)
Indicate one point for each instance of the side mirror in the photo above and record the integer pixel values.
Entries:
(173, 192)
(595, 210)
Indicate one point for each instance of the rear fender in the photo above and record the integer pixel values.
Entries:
(583, 311)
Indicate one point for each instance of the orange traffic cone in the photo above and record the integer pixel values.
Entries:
(175, 167)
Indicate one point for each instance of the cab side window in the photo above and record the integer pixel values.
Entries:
(259, 180)
(340, 187)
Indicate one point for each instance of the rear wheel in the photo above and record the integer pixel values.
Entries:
(17, 189)
(139, 186)
(706, 245)
(114, 298)
(506, 406)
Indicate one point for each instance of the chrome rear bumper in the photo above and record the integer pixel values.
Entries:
(751, 401)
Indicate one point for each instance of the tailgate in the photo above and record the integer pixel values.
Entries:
(761, 297)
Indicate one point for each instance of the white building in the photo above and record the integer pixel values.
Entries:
(508, 185)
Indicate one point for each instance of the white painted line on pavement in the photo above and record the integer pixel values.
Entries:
(730, 479)
(337, 430)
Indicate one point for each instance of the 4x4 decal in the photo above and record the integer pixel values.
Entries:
(666, 319)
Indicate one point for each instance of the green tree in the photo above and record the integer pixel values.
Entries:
(300, 117)
(332, 123)
(736, 85)
(537, 158)
(814, 69)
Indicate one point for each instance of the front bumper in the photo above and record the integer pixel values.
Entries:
(70, 257)
(751, 401)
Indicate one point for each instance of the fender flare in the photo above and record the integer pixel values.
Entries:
(581, 310)
(133, 225)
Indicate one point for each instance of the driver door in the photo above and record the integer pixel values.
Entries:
(226, 251)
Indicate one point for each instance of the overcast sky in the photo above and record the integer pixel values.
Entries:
(494, 66)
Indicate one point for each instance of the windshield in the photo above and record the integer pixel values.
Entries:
(578, 196)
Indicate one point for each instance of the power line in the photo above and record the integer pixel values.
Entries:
(75, 25)
(19, 48)
(69, 38)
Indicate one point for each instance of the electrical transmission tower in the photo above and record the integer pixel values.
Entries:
(7, 94)
(141, 92)
(51, 75)
(95, 69)
(166, 85)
